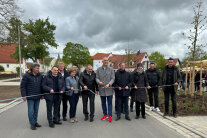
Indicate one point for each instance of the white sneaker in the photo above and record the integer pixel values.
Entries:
(157, 109)
(151, 108)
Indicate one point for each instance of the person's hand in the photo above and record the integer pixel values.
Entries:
(135, 87)
(161, 88)
(97, 92)
(24, 98)
(127, 87)
(80, 96)
(176, 83)
(71, 88)
(120, 88)
(148, 87)
(61, 91)
(51, 91)
(107, 85)
(42, 97)
(85, 88)
(101, 83)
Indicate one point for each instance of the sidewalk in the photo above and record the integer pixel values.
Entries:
(8, 82)
(197, 122)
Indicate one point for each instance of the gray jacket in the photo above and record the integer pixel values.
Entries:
(107, 77)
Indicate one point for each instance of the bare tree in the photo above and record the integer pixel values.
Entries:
(8, 9)
(199, 25)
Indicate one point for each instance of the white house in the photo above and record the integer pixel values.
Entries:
(44, 68)
(115, 59)
(10, 64)
(97, 59)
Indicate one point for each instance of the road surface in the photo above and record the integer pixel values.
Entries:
(14, 124)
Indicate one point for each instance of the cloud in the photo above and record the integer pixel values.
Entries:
(112, 25)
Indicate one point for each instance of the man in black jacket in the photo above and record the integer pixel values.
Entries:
(64, 74)
(171, 78)
(31, 85)
(153, 76)
(88, 81)
(122, 84)
(53, 82)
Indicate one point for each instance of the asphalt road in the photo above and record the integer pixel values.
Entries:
(14, 124)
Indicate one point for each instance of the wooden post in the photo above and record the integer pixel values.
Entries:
(190, 85)
(186, 81)
(201, 80)
(193, 79)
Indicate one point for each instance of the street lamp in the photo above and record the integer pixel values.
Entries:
(20, 69)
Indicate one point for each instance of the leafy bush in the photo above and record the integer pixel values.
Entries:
(1, 69)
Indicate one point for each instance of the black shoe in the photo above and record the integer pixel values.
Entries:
(37, 125)
(131, 110)
(128, 118)
(33, 127)
(64, 119)
(144, 117)
(165, 114)
(51, 125)
(118, 118)
(86, 118)
(91, 119)
(175, 115)
(57, 122)
(137, 117)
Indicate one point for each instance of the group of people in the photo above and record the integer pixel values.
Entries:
(198, 78)
(63, 86)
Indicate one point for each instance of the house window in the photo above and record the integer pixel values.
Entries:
(131, 63)
(7, 65)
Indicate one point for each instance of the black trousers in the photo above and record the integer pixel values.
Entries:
(170, 92)
(153, 94)
(91, 98)
(65, 105)
(123, 102)
(138, 105)
(53, 106)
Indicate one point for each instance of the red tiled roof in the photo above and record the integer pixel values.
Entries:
(100, 56)
(6, 50)
(116, 59)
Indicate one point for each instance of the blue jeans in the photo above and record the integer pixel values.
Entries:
(33, 107)
(73, 100)
(103, 103)
(123, 100)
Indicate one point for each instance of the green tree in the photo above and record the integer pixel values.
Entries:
(76, 54)
(40, 35)
(159, 59)
(1, 68)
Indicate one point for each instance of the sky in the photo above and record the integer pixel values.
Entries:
(114, 25)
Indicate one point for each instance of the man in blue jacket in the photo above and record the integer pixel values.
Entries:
(31, 85)
(53, 83)
(122, 84)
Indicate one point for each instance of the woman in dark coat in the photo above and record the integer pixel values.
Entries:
(140, 84)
